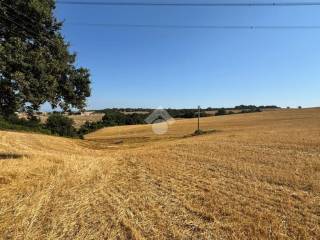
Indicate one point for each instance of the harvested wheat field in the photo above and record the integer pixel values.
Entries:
(256, 177)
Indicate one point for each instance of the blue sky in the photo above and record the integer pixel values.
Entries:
(183, 68)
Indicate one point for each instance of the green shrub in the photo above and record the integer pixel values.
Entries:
(12, 122)
(186, 113)
(118, 119)
(251, 110)
(61, 125)
(221, 112)
(89, 127)
(112, 118)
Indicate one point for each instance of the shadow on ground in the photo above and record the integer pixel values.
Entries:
(10, 156)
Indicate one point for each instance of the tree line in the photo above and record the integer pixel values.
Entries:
(62, 125)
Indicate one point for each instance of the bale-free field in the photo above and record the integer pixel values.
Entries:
(256, 177)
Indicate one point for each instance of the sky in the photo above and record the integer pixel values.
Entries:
(184, 68)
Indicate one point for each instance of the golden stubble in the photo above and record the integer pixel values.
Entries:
(256, 177)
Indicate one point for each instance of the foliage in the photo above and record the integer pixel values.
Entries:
(246, 107)
(202, 132)
(198, 132)
(127, 110)
(186, 113)
(221, 112)
(61, 125)
(12, 122)
(118, 118)
(251, 110)
(89, 127)
(35, 63)
(175, 113)
(112, 118)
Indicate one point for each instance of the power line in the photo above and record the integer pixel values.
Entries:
(32, 21)
(240, 27)
(160, 26)
(175, 4)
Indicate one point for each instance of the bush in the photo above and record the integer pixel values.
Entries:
(186, 113)
(89, 127)
(221, 112)
(31, 122)
(198, 132)
(61, 125)
(112, 118)
(252, 107)
(118, 118)
(14, 123)
(251, 110)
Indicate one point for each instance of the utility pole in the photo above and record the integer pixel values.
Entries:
(198, 118)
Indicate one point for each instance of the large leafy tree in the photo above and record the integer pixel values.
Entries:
(36, 65)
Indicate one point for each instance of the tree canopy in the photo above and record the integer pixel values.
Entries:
(36, 65)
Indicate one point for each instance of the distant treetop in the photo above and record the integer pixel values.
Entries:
(254, 107)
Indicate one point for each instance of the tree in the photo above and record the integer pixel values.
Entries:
(114, 118)
(35, 63)
(61, 125)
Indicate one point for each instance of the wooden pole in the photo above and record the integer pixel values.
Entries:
(198, 118)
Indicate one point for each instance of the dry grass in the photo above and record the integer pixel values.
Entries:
(79, 120)
(256, 178)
